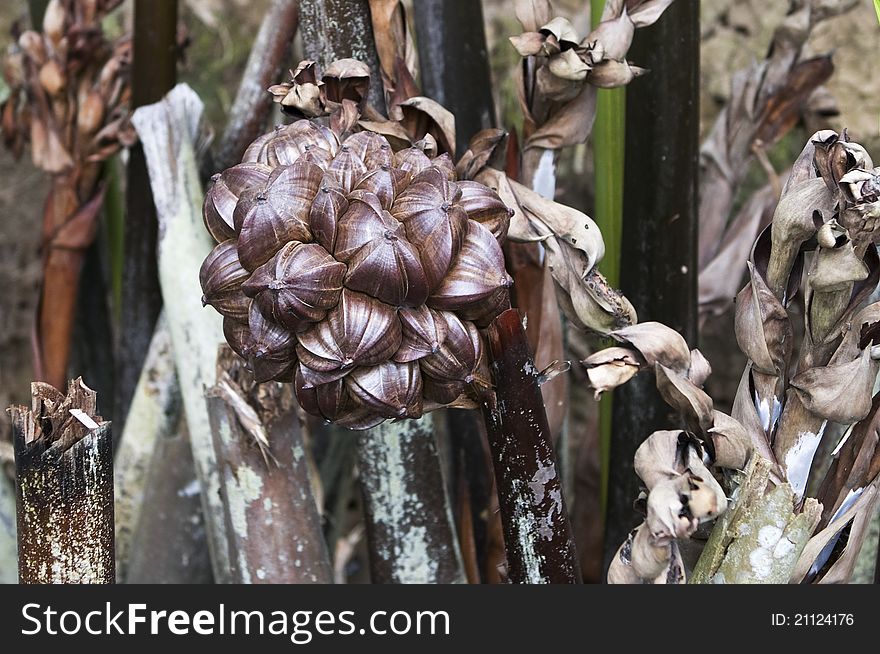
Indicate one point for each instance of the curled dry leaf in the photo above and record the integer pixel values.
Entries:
(658, 344)
(612, 367)
(573, 244)
(839, 392)
(423, 116)
(733, 446)
(691, 402)
(762, 327)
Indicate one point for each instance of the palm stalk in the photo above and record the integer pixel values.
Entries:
(454, 63)
(272, 522)
(251, 107)
(609, 131)
(64, 469)
(154, 71)
(409, 522)
(168, 130)
(537, 533)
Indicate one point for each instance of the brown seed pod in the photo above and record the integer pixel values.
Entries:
(385, 183)
(424, 331)
(323, 400)
(238, 335)
(391, 389)
(328, 207)
(371, 148)
(477, 280)
(360, 270)
(358, 331)
(224, 193)
(348, 168)
(221, 277)
(289, 142)
(412, 161)
(290, 191)
(259, 228)
(483, 205)
(434, 223)
(271, 349)
(381, 262)
(457, 357)
(299, 284)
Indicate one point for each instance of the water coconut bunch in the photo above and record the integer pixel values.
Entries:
(362, 274)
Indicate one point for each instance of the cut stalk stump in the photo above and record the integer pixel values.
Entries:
(64, 467)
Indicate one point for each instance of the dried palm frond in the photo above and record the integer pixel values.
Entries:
(825, 222)
(69, 94)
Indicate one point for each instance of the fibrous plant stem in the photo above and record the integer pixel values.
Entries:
(338, 29)
(454, 63)
(154, 71)
(608, 163)
(64, 470)
(537, 534)
(272, 522)
(409, 523)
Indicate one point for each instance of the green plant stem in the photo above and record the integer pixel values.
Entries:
(608, 161)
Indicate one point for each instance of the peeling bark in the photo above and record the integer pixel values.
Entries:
(168, 130)
(409, 524)
(537, 533)
(272, 521)
(154, 470)
(155, 412)
(64, 468)
(760, 539)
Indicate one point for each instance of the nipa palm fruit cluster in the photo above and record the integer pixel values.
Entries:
(360, 274)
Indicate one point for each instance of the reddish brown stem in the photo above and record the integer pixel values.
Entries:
(537, 533)
(68, 230)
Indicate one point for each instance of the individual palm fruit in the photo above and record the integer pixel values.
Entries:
(362, 275)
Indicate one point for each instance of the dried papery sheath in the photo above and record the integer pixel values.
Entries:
(64, 465)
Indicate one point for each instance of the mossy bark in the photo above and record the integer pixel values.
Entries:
(761, 537)
(409, 522)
